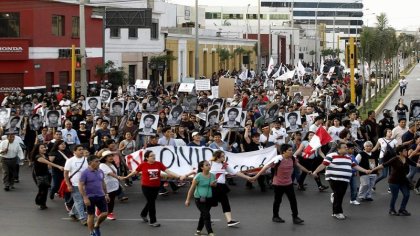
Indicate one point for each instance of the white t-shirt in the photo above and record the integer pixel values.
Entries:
(355, 125)
(403, 83)
(335, 131)
(382, 142)
(397, 133)
(271, 138)
(220, 170)
(277, 133)
(112, 184)
(72, 165)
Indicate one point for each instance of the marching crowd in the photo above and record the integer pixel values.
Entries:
(77, 149)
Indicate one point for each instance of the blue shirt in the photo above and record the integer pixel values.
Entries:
(70, 136)
(93, 180)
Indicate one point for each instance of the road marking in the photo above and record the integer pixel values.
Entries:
(166, 220)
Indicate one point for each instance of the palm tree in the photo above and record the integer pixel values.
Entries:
(224, 56)
(239, 51)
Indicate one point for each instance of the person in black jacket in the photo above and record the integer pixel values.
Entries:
(368, 160)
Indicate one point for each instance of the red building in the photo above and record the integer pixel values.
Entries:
(35, 43)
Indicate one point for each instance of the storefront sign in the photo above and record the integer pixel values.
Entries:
(14, 49)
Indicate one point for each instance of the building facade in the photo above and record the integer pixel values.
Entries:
(35, 43)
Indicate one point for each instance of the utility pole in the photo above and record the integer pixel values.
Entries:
(196, 42)
(259, 40)
(83, 82)
(292, 43)
(352, 59)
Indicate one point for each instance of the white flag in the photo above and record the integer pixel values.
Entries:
(321, 69)
(287, 75)
(300, 69)
(270, 66)
(318, 79)
(331, 72)
(277, 74)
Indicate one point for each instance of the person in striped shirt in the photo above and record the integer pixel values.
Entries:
(338, 172)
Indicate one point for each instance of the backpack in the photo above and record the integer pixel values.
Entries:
(389, 152)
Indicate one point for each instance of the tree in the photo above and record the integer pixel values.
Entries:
(115, 75)
(224, 56)
(239, 51)
(330, 52)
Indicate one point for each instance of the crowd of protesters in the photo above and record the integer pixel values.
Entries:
(64, 140)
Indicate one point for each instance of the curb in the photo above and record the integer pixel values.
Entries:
(386, 99)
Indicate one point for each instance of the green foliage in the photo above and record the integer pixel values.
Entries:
(115, 75)
(224, 56)
(330, 52)
(162, 59)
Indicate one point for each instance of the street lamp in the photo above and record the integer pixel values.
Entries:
(196, 41)
(335, 15)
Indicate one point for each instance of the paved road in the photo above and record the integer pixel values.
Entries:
(412, 93)
(20, 216)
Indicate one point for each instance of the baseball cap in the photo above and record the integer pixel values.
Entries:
(195, 133)
(411, 124)
(82, 122)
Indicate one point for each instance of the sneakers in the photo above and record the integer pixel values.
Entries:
(211, 234)
(233, 223)
(277, 219)
(393, 213)
(156, 224)
(332, 198)
(97, 212)
(73, 217)
(83, 222)
(97, 231)
(111, 216)
(122, 199)
(92, 233)
(6, 188)
(43, 207)
(163, 192)
(389, 190)
(198, 232)
(339, 216)
(404, 213)
(144, 218)
(297, 220)
(322, 188)
(417, 191)
(355, 202)
(301, 188)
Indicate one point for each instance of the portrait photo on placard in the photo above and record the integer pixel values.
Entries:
(93, 106)
(142, 93)
(14, 123)
(35, 122)
(53, 119)
(189, 103)
(213, 107)
(293, 122)
(152, 104)
(271, 112)
(311, 118)
(27, 108)
(106, 95)
(212, 118)
(148, 124)
(232, 117)
(132, 90)
(175, 115)
(269, 84)
(132, 106)
(218, 101)
(4, 116)
(117, 108)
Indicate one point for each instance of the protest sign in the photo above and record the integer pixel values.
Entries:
(142, 83)
(186, 87)
(226, 87)
(182, 160)
(215, 91)
(202, 84)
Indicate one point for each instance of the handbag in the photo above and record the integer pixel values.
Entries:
(63, 185)
(43, 181)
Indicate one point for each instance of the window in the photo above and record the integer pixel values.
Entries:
(255, 16)
(213, 15)
(154, 30)
(9, 24)
(132, 33)
(58, 25)
(115, 32)
(75, 27)
(233, 16)
(279, 17)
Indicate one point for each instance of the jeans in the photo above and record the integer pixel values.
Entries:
(57, 177)
(41, 197)
(205, 217)
(384, 173)
(367, 182)
(151, 194)
(339, 189)
(278, 195)
(353, 188)
(395, 188)
(78, 208)
(402, 90)
(412, 173)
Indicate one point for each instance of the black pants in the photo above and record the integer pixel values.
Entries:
(402, 90)
(278, 195)
(339, 189)
(151, 194)
(205, 217)
(310, 164)
(111, 202)
(221, 192)
(9, 170)
(41, 197)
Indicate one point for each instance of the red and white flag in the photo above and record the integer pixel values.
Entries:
(320, 138)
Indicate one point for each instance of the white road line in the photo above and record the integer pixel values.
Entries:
(167, 220)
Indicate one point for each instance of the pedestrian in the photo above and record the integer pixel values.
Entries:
(382, 145)
(41, 174)
(92, 187)
(220, 168)
(57, 156)
(338, 173)
(403, 85)
(282, 182)
(10, 151)
(397, 179)
(150, 171)
(111, 180)
(368, 160)
(201, 188)
(72, 171)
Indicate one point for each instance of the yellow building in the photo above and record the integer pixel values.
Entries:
(182, 47)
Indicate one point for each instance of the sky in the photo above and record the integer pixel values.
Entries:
(402, 14)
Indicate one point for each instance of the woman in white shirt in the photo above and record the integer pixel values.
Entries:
(111, 181)
(335, 130)
(381, 145)
(220, 168)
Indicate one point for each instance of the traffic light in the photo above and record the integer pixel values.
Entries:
(78, 61)
(348, 57)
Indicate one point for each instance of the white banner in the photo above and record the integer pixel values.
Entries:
(142, 83)
(184, 159)
(202, 84)
(186, 87)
